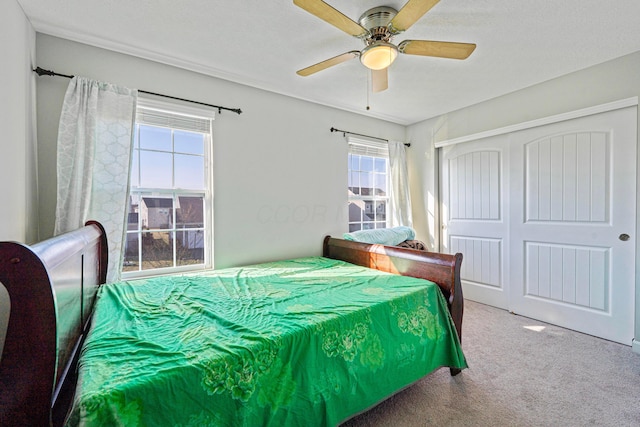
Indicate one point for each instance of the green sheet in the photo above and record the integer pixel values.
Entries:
(309, 341)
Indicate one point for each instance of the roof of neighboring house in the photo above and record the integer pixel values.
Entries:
(368, 191)
(157, 202)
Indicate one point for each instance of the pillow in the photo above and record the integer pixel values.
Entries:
(382, 236)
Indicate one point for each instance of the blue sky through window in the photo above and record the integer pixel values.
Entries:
(168, 159)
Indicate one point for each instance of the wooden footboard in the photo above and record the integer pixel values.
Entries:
(51, 287)
(442, 269)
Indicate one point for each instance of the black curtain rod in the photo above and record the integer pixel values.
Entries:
(43, 72)
(345, 132)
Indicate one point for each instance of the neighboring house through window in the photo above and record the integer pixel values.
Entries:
(368, 184)
(170, 223)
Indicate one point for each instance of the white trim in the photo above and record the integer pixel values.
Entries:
(635, 346)
(175, 108)
(368, 147)
(602, 108)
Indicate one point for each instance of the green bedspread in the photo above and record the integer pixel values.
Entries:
(303, 342)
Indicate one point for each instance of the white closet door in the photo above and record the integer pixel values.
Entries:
(546, 221)
(572, 209)
(474, 213)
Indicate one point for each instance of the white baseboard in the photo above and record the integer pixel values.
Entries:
(635, 346)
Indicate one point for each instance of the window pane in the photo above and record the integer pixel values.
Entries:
(157, 250)
(368, 225)
(354, 182)
(155, 138)
(133, 213)
(380, 164)
(188, 142)
(366, 163)
(355, 212)
(190, 247)
(381, 211)
(381, 185)
(189, 172)
(136, 137)
(354, 162)
(155, 169)
(369, 211)
(365, 183)
(156, 213)
(354, 227)
(190, 212)
(131, 260)
(135, 168)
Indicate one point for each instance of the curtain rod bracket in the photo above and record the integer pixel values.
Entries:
(42, 72)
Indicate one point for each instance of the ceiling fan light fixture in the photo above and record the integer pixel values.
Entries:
(378, 55)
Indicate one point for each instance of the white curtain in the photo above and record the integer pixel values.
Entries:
(399, 185)
(94, 155)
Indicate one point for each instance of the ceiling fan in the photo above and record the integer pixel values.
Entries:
(376, 27)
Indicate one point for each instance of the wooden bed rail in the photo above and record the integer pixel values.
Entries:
(51, 286)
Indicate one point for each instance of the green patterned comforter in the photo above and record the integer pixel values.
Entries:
(309, 341)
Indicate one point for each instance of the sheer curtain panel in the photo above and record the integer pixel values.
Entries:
(399, 185)
(93, 162)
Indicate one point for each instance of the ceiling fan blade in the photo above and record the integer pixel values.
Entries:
(439, 49)
(328, 63)
(379, 80)
(409, 14)
(327, 13)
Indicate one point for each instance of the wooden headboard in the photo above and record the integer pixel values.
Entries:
(52, 287)
(442, 269)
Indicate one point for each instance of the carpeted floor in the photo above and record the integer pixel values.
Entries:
(522, 372)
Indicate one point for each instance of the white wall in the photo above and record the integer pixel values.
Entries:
(18, 219)
(280, 175)
(17, 145)
(606, 82)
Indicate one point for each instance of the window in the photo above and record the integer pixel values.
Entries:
(368, 184)
(169, 225)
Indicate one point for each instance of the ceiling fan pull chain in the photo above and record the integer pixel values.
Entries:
(368, 87)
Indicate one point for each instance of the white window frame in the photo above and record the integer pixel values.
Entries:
(366, 147)
(182, 117)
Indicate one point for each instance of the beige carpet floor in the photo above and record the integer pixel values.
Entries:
(522, 372)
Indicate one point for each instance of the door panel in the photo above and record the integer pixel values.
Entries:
(551, 274)
(577, 195)
(473, 216)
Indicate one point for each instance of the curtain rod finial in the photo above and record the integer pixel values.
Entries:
(42, 72)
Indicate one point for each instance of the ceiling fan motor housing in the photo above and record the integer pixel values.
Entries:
(376, 21)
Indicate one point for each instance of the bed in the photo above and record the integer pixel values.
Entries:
(316, 351)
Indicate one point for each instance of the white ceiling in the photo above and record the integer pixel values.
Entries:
(262, 43)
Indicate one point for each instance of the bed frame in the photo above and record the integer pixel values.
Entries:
(52, 287)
